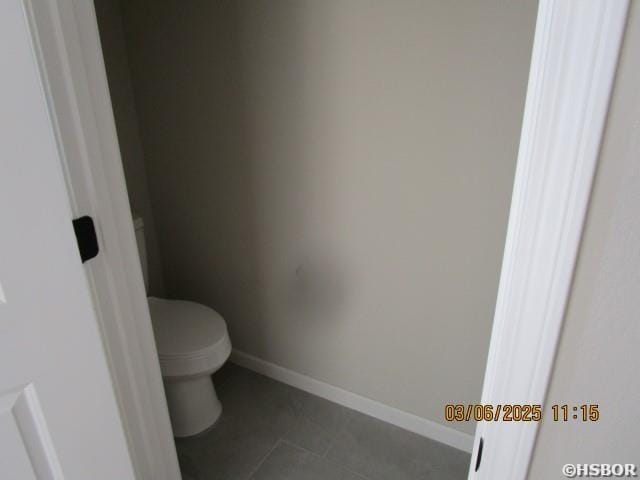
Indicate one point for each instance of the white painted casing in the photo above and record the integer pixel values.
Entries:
(138, 225)
(573, 65)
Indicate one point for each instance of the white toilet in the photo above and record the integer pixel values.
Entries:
(192, 342)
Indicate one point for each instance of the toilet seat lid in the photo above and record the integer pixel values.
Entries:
(185, 329)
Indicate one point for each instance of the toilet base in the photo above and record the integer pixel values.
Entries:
(193, 405)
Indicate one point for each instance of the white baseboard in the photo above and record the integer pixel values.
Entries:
(408, 421)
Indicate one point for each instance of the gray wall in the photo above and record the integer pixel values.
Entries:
(598, 357)
(334, 177)
(115, 58)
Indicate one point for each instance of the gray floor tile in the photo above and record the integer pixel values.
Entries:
(330, 416)
(279, 432)
(188, 467)
(348, 476)
(229, 451)
(310, 436)
(287, 462)
(301, 418)
(380, 451)
(257, 399)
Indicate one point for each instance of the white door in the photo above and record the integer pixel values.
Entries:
(58, 413)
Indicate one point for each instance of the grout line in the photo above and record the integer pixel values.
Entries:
(295, 445)
(299, 447)
(326, 452)
(322, 457)
(329, 435)
(331, 443)
(300, 416)
(262, 460)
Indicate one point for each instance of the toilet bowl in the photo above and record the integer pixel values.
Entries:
(192, 343)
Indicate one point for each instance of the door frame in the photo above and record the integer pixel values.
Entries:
(67, 50)
(573, 65)
(574, 59)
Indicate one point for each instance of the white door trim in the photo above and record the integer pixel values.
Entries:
(574, 60)
(67, 47)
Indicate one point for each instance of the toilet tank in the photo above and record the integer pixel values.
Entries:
(138, 225)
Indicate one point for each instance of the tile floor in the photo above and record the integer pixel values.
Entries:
(271, 431)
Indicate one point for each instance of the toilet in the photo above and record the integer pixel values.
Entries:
(192, 343)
